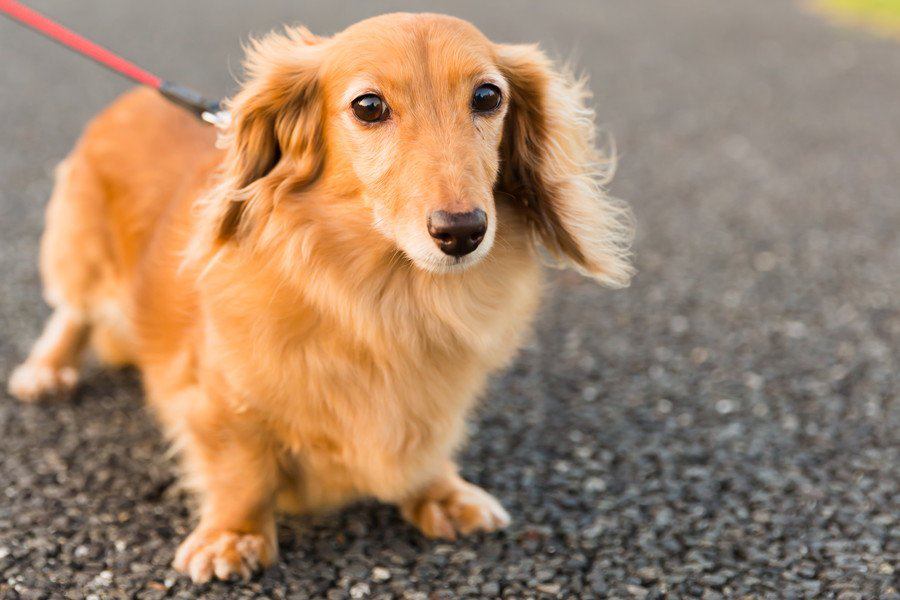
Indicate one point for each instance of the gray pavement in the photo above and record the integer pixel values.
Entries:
(727, 427)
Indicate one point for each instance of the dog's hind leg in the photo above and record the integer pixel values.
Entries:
(75, 268)
(52, 366)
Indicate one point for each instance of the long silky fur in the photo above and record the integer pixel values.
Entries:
(301, 338)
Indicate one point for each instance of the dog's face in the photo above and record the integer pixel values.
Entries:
(428, 124)
(416, 112)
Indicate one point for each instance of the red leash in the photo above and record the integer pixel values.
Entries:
(207, 110)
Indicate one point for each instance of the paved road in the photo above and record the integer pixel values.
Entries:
(728, 426)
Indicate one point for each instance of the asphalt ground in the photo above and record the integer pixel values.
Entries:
(728, 426)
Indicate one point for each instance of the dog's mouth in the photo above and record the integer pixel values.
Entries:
(428, 252)
(448, 264)
(429, 258)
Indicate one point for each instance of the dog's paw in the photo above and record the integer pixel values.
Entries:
(464, 508)
(33, 381)
(223, 554)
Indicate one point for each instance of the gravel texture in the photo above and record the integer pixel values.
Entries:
(727, 427)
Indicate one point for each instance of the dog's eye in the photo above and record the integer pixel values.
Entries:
(486, 98)
(370, 108)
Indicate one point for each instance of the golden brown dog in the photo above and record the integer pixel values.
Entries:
(316, 304)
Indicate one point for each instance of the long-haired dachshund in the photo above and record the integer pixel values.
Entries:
(316, 302)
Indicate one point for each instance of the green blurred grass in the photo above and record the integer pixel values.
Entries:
(882, 16)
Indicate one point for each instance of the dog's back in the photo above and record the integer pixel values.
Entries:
(132, 165)
(141, 152)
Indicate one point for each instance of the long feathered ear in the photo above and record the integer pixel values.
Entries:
(550, 164)
(274, 140)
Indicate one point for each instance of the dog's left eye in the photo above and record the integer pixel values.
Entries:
(486, 98)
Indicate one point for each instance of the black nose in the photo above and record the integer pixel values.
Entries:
(457, 234)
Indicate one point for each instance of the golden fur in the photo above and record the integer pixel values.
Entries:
(301, 338)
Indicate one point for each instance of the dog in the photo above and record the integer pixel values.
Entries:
(316, 301)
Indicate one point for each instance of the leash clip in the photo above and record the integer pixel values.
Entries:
(194, 102)
(219, 119)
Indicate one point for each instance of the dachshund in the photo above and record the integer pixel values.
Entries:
(316, 293)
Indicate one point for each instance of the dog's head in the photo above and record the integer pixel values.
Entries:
(428, 124)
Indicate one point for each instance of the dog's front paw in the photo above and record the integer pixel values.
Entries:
(223, 554)
(445, 510)
(33, 381)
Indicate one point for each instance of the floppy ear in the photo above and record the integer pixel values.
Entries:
(274, 140)
(549, 163)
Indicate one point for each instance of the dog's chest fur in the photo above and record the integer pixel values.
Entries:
(366, 387)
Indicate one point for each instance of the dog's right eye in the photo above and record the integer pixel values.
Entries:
(370, 108)
(486, 98)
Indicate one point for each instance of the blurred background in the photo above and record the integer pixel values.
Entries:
(729, 426)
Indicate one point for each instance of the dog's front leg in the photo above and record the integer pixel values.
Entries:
(450, 505)
(234, 467)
